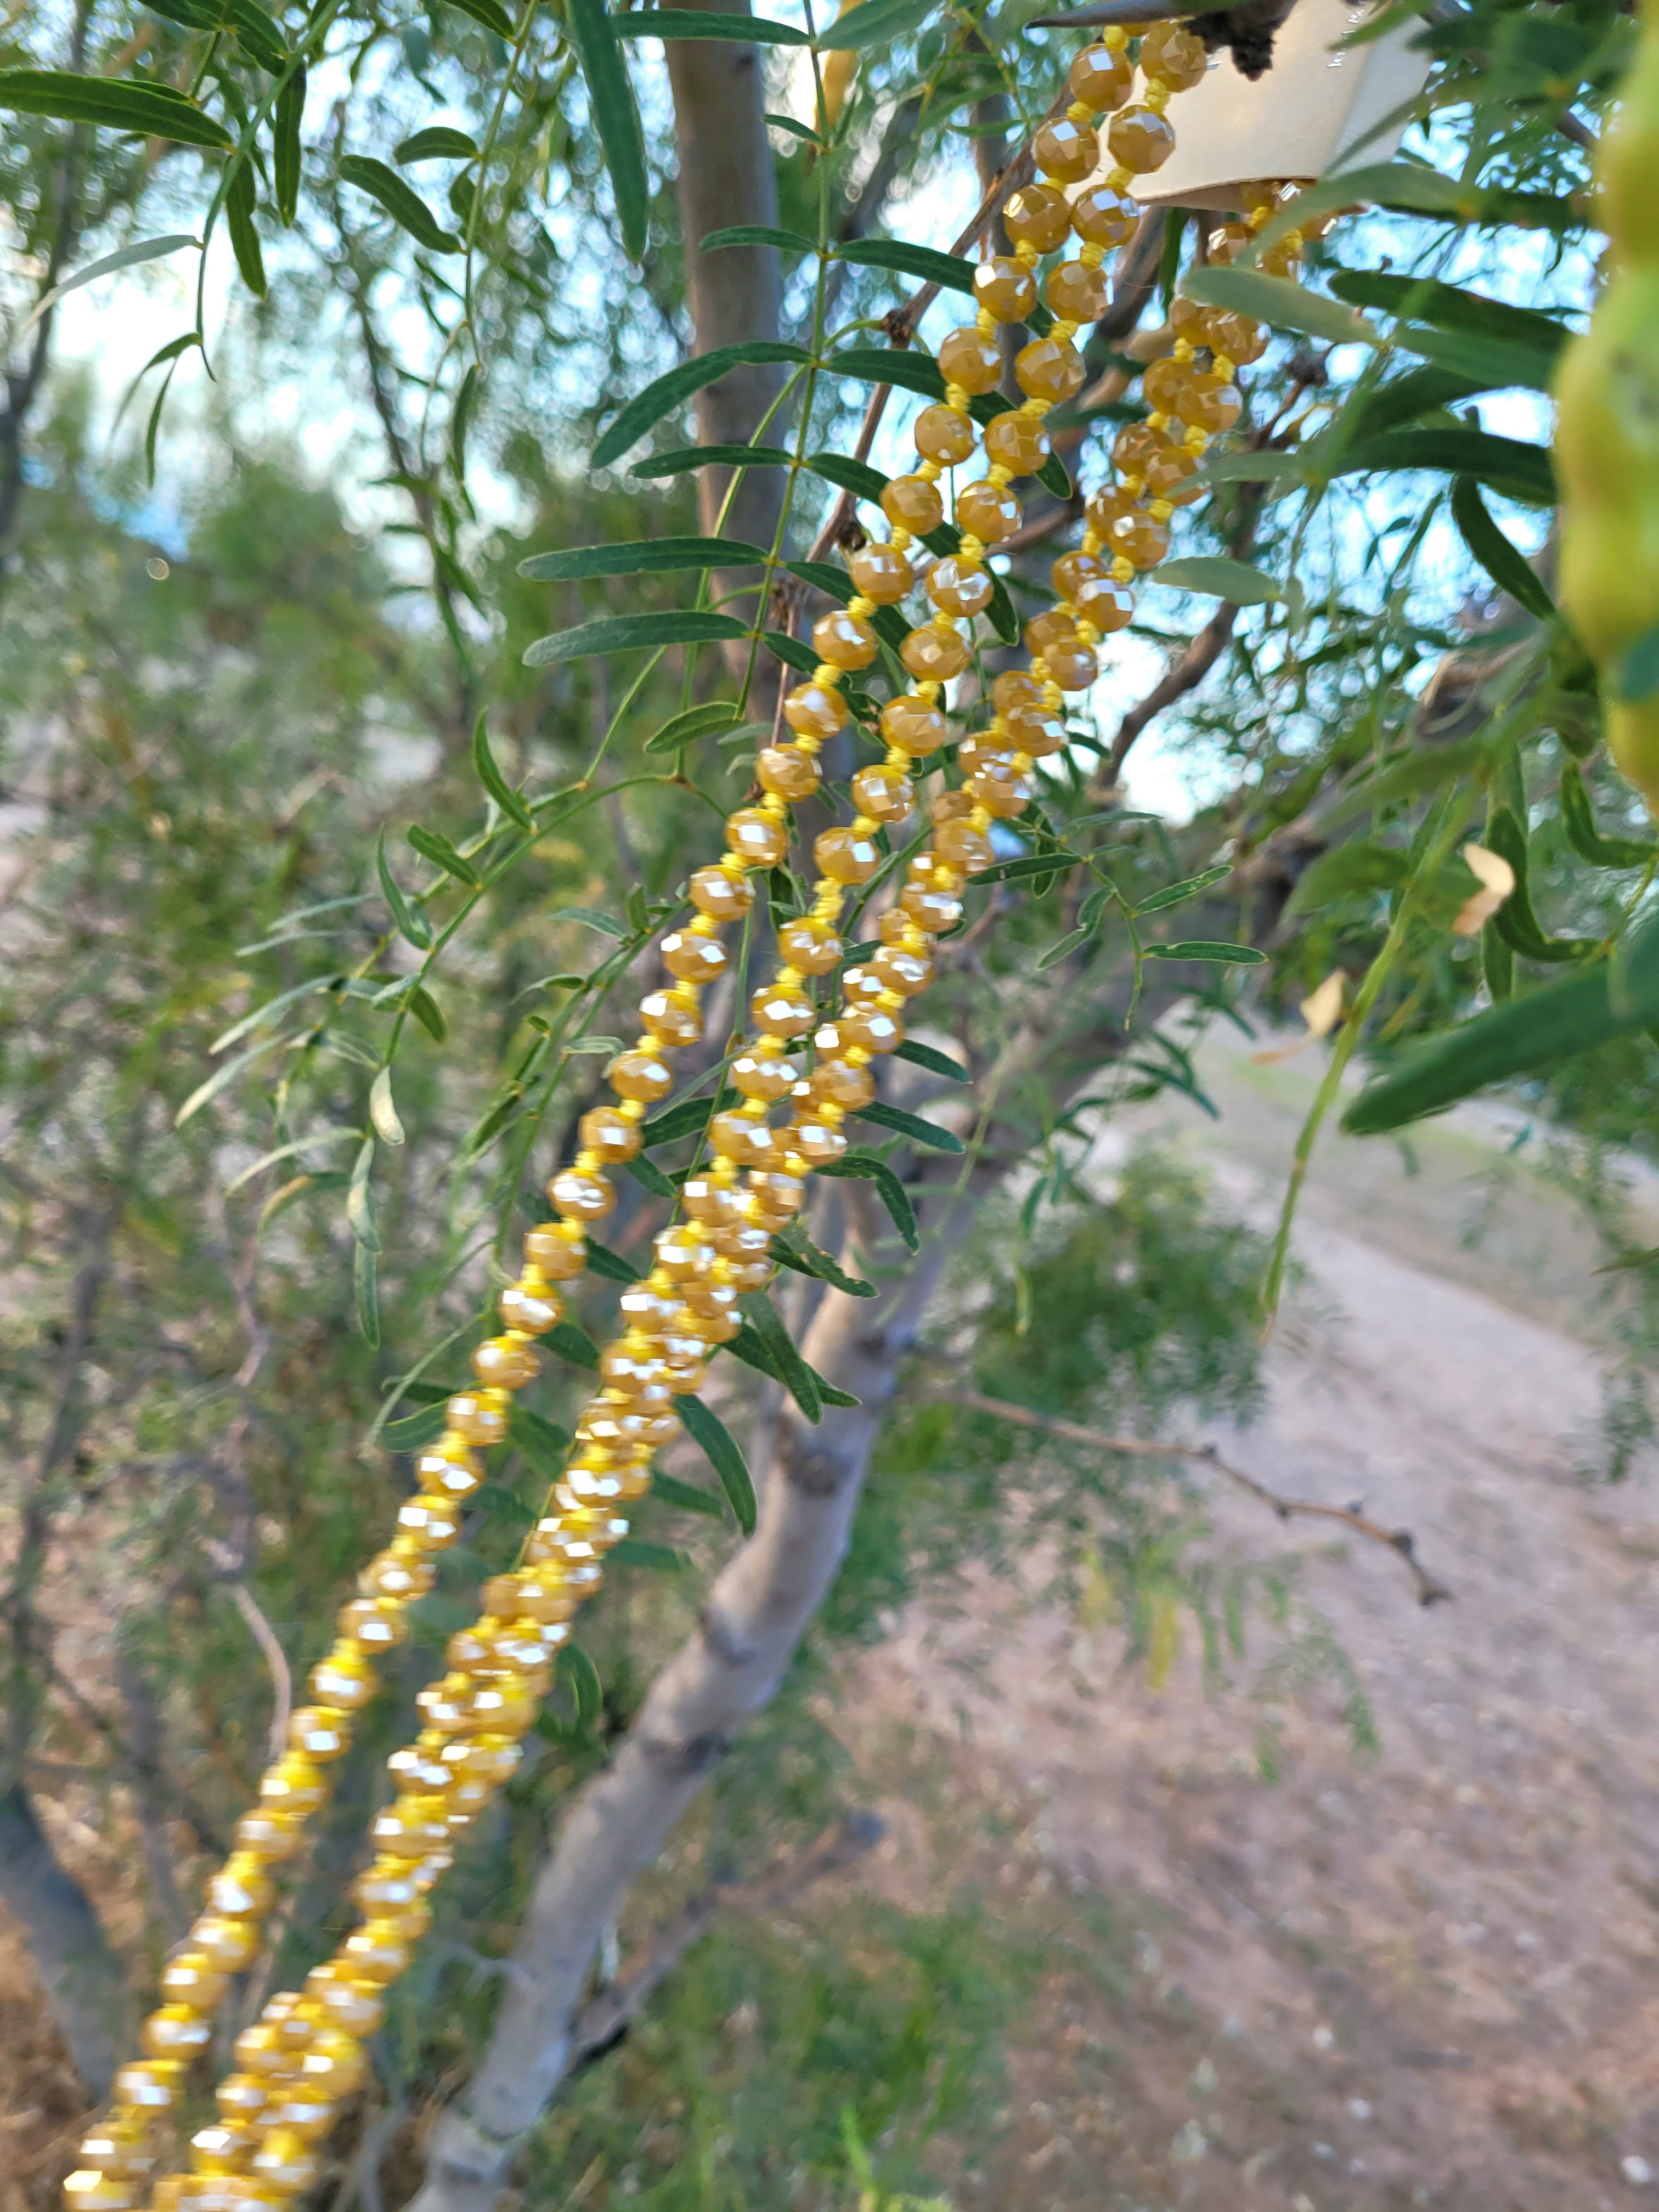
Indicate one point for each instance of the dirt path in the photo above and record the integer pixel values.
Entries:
(1425, 1979)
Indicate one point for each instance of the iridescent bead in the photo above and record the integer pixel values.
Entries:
(912, 503)
(1017, 442)
(880, 573)
(987, 511)
(693, 957)
(1004, 288)
(914, 726)
(1038, 216)
(941, 436)
(781, 1009)
(720, 897)
(883, 793)
(810, 944)
(645, 1076)
(933, 655)
(756, 837)
(1065, 150)
(843, 640)
(812, 710)
(1140, 140)
(846, 856)
(958, 587)
(1101, 77)
(1103, 215)
(788, 772)
(1048, 368)
(1174, 56)
(578, 1194)
(969, 358)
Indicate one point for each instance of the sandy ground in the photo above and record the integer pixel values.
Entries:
(1427, 1977)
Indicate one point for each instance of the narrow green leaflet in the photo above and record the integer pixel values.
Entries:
(1509, 466)
(489, 13)
(1578, 820)
(401, 201)
(848, 475)
(937, 1063)
(948, 270)
(590, 917)
(366, 1293)
(569, 1342)
(428, 1013)
(892, 1193)
(1285, 304)
(412, 924)
(636, 1551)
(1574, 1014)
(593, 31)
(359, 1199)
(650, 1177)
(693, 23)
(382, 1109)
(415, 1430)
(793, 1248)
(126, 257)
(696, 722)
(708, 1430)
(1028, 864)
(1236, 581)
(1420, 300)
(687, 457)
(436, 143)
(543, 1445)
(787, 1364)
(669, 391)
(582, 1677)
(667, 1490)
(1489, 362)
(153, 111)
(1507, 568)
(602, 1261)
(1357, 866)
(906, 372)
(625, 633)
(640, 557)
(877, 21)
(1188, 887)
(1225, 955)
(286, 148)
(261, 1015)
(489, 775)
(686, 1117)
(920, 1131)
(223, 1077)
(432, 845)
(244, 237)
(757, 234)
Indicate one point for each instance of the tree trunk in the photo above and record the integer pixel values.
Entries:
(80, 1974)
(726, 178)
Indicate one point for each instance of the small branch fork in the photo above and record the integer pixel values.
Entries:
(1430, 1589)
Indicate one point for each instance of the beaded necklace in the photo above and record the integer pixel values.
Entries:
(304, 2055)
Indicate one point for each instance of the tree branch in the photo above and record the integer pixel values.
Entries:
(1430, 1590)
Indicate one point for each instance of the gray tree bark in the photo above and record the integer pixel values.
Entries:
(80, 1974)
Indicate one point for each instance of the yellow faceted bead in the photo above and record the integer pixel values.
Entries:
(1072, 664)
(904, 972)
(914, 726)
(692, 957)
(1004, 288)
(577, 1196)
(836, 1082)
(1101, 78)
(1105, 602)
(911, 503)
(1239, 337)
(933, 910)
(1048, 368)
(121, 2146)
(967, 357)
(221, 2147)
(720, 897)
(811, 945)
(447, 1471)
(818, 1143)
(176, 2031)
(1039, 216)
(756, 838)
(738, 1136)
(881, 574)
(846, 856)
(1015, 688)
(1077, 294)
(1049, 628)
(668, 1021)
(683, 1251)
(763, 1075)
(640, 1074)
(1226, 244)
(1174, 55)
(843, 640)
(873, 1027)
(787, 772)
(346, 1678)
(435, 1522)
(557, 1248)
(1140, 140)
(943, 436)
(300, 2111)
(1018, 443)
(814, 710)
(192, 1979)
(781, 1009)
(531, 1307)
(777, 1198)
(88, 2191)
(987, 511)
(956, 586)
(1065, 150)
(230, 1943)
(286, 2162)
(883, 793)
(1103, 215)
(344, 2000)
(261, 2051)
(1139, 538)
(933, 655)
(476, 1419)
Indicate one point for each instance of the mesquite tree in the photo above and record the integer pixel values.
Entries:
(268, 999)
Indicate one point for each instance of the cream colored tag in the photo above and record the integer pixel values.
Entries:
(1305, 117)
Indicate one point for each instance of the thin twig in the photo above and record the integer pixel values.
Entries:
(282, 1681)
(1429, 1591)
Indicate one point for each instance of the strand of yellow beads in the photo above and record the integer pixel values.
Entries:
(305, 2054)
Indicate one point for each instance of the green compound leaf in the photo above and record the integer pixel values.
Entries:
(669, 391)
(891, 1191)
(640, 557)
(720, 1449)
(152, 111)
